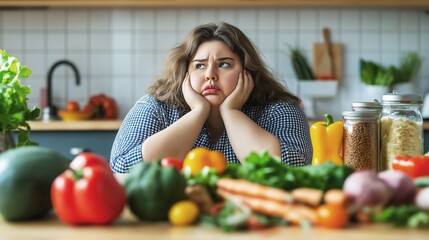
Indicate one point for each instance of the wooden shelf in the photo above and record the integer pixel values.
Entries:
(214, 3)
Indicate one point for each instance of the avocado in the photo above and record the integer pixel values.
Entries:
(26, 175)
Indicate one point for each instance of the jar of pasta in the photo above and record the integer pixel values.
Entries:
(401, 127)
(361, 139)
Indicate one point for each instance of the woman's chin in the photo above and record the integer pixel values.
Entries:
(214, 100)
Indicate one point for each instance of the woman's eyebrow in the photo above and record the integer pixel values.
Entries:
(219, 59)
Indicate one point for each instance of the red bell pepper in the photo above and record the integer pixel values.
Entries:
(88, 192)
(414, 166)
(170, 161)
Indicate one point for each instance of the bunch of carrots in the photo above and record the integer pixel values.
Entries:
(299, 206)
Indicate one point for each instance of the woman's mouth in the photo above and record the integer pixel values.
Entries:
(210, 89)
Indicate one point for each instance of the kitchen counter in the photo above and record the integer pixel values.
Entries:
(90, 125)
(128, 227)
(98, 125)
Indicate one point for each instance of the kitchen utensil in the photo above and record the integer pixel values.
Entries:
(327, 58)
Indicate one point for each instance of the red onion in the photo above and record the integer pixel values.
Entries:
(402, 185)
(367, 190)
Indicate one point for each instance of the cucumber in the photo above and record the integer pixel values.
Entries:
(302, 69)
(26, 175)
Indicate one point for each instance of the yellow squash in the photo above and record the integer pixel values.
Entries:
(326, 138)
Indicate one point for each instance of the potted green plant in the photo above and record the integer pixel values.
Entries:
(410, 64)
(14, 112)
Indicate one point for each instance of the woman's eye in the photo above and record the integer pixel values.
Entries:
(224, 64)
(199, 66)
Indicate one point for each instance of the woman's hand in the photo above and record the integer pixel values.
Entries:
(241, 93)
(192, 98)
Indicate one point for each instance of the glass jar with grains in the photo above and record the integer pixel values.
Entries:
(361, 139)
(401, 127)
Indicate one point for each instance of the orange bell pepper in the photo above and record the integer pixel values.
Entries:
(327, 138)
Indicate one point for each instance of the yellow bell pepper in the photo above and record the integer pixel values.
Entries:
(326, 138)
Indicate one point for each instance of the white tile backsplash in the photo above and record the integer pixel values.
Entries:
(13, 20)
(371, 20)
(13, 41)
(268, 20)
(390, 20)
(78, 20)
(247, 19)
(228, 15)
(100, 20)
(120, 51)
(350, 20)
(34, 40)
(288, 19)
(329, 19)
(34, 20)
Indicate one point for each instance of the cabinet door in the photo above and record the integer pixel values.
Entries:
(99, 142)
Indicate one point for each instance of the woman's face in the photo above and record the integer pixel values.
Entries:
(214, 71)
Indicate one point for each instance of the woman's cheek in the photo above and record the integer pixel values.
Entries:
(195, 83)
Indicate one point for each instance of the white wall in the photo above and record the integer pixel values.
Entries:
(120, 51)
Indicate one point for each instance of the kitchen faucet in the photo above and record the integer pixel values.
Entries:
(50, 111)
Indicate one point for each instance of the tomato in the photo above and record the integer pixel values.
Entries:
(72, 106)
(183, 213)
(199, 158)
(332, 216)
(170, 161)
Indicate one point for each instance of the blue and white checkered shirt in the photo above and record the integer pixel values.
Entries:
(149, 116)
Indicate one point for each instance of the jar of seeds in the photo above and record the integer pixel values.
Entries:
(401, 127)
(361, 139)
(376, 107)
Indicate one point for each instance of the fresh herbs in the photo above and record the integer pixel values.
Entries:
(14, 112)
(403, 216)
(270, 171)
(374, 74)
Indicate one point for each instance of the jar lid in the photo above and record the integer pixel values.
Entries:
(361, 115)
(375, 105)
(393, 98)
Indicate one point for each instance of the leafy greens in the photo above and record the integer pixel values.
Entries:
(14, 112)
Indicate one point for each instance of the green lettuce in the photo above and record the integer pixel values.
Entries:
(14, 112)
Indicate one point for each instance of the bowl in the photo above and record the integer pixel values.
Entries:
(74, 116)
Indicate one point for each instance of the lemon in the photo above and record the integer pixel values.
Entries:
(183, 213)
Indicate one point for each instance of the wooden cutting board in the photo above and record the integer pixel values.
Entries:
(321, 64)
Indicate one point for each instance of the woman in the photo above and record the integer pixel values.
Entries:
(215, 92)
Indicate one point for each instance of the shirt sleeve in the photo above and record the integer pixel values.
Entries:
(141, 122)
(288, 122)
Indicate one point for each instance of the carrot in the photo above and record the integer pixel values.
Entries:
(270, 208)
(244, 187)
(291, 212)
(309, 196)
(300, 214)
(336, 196)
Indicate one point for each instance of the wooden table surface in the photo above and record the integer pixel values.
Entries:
(129, 228)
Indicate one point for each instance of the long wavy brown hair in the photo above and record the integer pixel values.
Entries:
(167, 87)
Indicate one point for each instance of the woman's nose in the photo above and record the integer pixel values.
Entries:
(211, 75)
